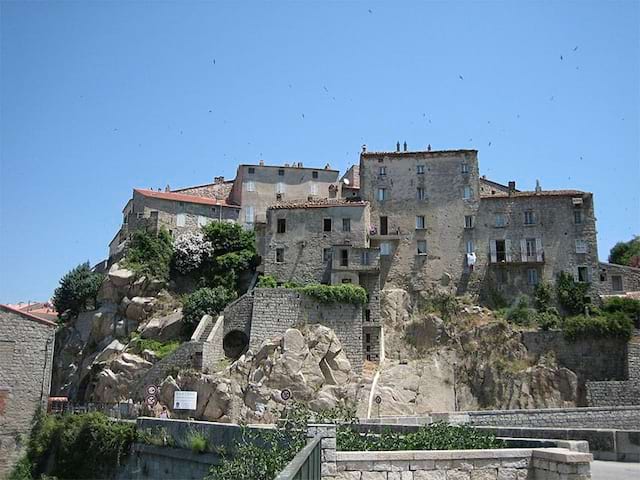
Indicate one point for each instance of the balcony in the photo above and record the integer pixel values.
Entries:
(537, 259)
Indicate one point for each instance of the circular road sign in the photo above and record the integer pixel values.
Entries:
(152, 400)
(151, 389)
(378, 399)
(285, 394)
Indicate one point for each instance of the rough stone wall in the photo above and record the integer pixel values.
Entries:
(26, 357)
(629, 276)
(444, 210)
(237, 315)
(627, 392)
(297, 186)
(304, 240)
(183, 357)
(371, 283)
(212, 348)
(277, 309)
(555, 228)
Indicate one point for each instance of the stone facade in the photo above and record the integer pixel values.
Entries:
(617, 279)
(26, 357)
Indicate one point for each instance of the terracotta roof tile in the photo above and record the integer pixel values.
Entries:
(181, 197)
(543, 193)
(28, 316)
(318, 203)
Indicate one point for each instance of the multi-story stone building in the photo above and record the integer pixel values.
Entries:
(26, 357)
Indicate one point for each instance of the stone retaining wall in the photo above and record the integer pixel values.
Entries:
(237, 315)
(212, 349)
(182, 357)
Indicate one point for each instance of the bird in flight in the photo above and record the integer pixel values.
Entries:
(325, 88)
(575, 48)
(561, 57)
(460, 77)
(214, 61)
(370, 11)
(551, 99)
(489, 143)
(303, 115)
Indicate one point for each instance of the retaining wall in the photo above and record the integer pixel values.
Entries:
(182, 357)
(212, 349)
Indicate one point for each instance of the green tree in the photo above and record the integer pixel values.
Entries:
(571, 295)
(78, 290)
(626, 253)
(204, 301)
(150, 254)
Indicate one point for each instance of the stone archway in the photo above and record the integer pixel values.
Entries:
(235, 343)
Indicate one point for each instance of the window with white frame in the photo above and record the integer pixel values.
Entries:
(420, 222)
(501, 220)
(532, 276)
(250, 186)
(251, 170)
(313, 188)
(468, 221)
(422, 247)
(529, 217)
(346, 224)
(531, 247)
(577, 216)
(420, 195)
(465, 168)
(280, 187)
(249, 214)
(467, 193)
(181, 219)
(364, 259)
(382, 170)
(581, 245)
(420, 169)
(470, 246)
(326, 254)
(385, 248)
(382, 194)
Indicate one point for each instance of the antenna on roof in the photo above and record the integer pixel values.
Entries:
(398, 147)
(429, 148)
(538, 187)
(405, 145)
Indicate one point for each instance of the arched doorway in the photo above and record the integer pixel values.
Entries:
(235, 343)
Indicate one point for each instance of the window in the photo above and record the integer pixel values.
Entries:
(282, 225)
(531, 247)
(281, 172)
(252, 170)
(501, 251)
(346, 224)
(382, 170)
(327, 225)
(344, 258)
(581, 246)
(583, 274)
(202, 221)
(616, 283)
(280, 187)
(470, 246)
(422, 247)
(420, 193)
(181, 219)
(420, 169)
(250, 186)
(382, 194)
(385, 248)
(326, 254)
(314, 174)
(279, 255)
(501, 220)
(367, 316)
(420, 222)
(468, 221)
(532, 276)
(313, 188)
(364, 259)
(249, 214)
(529, 217)
(467, 193)
(346, 280)
(577, 216)
(384, 226)
(465, 168)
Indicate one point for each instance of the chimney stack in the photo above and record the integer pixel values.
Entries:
(261, 163)
(218, 180)
(429, 148)
(364, 148)
(398, 147)
(327, 167)
(405, 146)
(538, 187)
(512, 187)
(167, 188)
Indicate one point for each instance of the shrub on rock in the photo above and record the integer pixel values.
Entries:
(78, 290)
(205, 301)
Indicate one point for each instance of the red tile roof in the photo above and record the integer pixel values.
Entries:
(181, 197)
(318, 203)
(28, 316)
(543, 193)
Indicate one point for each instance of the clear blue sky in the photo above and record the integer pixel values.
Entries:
(101, 97)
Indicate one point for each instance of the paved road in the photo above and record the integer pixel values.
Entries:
(614, 470)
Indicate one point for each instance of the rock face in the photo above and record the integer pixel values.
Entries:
(308, 361)
(164, 328)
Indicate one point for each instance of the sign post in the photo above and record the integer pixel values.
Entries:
(183, 400)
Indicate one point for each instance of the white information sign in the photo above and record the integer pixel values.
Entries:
(185, 400)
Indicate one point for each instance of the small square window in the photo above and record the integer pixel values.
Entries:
(327, 225)
(346, 280)
(420, 222)
(382, 194)
(282, 225)
(344, 258)
(382, 170)
(422, 247)
(577, 216)
(467, 193)
(326, 254)
(532, 276)
(385, 248)
(468, 221)
(346, 224)
(251, 170)
(420, 195)
(583, 274)
(501, 220)
(465, 168)
(581, 246)
(420, 169)
(281, 172)
(529, 217)
(364, 259)
(313, 189)
(279, 255)
(250, 186)
(314, 174)
(470, 246)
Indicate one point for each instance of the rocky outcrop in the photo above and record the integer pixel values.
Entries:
(164, 328)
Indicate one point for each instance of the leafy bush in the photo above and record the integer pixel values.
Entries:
(150, 254)
(617, 325)
(190, 251)
(543, 297)
(445, 304)
(520, 313)
(571, 295)
(267, 281)
(197, 441)
(78, 290)
(438, 436)
(81, 446)
(629, 306)
(161, 349)
(158, 436)
(205, 301)
(547, 320)
(344, 293)
(626, 253)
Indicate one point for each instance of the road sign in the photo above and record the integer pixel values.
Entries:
(378, 399)
(151, 400)
(151, 390)
(185, 400)
(285, 394)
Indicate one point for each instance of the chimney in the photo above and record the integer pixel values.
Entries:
(261, 163)
(299, 164)
(167, 188)
(218, 180)
(364, 149)
(327, 167)
(286, 164)
(512, 187)
(538, 187)
(405, 146)
(429, 148)
(398, 147)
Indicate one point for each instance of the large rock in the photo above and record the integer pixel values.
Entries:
(109, 352)
(103, 322)
(164, 328)
(120, 277)
(395, 306)
(139, 308)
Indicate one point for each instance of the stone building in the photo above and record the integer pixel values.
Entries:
(256, 187)
(26, 356)
(177, 212)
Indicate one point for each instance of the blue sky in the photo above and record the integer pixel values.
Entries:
(101, 97)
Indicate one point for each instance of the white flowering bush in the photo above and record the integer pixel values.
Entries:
(190, 250)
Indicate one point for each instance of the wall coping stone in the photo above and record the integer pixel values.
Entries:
(497, 453)
(562, 455)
